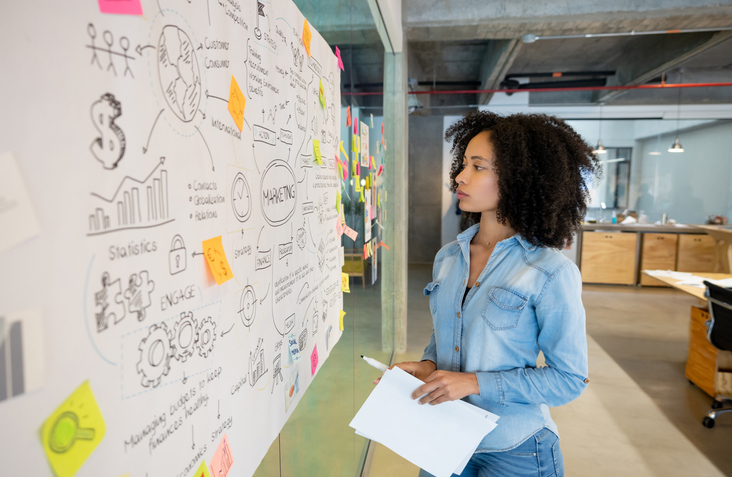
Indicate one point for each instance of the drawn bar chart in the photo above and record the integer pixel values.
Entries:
(19, 372)
(136, 204)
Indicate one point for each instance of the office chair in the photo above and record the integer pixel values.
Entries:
(719, 334)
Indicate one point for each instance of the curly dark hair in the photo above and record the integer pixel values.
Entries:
(542, 166)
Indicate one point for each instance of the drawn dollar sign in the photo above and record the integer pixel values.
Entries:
(109, 147)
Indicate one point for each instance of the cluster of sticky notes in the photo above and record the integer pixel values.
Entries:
(120, 7)
(237, 103)
(321, 95)
(340, 320)
(222, 459)
(213, 252)
(306, 36)
(316, 152)
(344, 283)
(73, 431)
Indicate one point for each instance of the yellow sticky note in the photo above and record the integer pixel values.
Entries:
(73, 431)
(357, 184)
(316, 152)
(343, 151)
(373, 165)
(340, 170)
(340, 320)
(377, 147)
(368, 182)
(306, 36)
(338, 202)
(356, 143)
(237, 102)
(202, 470)
(361, 199)
(321, 95)
(344, 283)
(213, 250)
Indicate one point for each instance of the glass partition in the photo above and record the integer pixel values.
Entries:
(316, 439)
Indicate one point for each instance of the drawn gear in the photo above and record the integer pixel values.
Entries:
(154, 363)
(206, 336)
(185, 327)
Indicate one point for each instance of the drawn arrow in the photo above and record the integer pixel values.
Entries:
(224, 332)
(196, 253)
(144, 149)
(219, 410)
(200, 47)
(209, 150)
(139, 48)
(204, 114)
(265, 295)
(184, 377)
(212, 96)
(193, 440)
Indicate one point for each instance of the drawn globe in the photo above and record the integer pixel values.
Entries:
(179, 73)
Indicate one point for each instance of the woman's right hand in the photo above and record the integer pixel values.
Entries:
(418, 369)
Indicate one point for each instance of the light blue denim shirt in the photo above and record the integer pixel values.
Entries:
(526, 299)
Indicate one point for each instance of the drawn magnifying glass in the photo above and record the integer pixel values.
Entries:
(66, 431)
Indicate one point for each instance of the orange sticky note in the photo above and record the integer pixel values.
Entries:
(348, 117)
(384, 245)
(222, 459)
(237, 102)
(340, 320)
(365, 252)
(344, 283)
(306, 36)
(213, 251)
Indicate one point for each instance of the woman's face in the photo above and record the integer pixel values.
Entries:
(478, 183)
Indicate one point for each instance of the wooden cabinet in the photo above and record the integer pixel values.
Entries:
(701, 365)
(659, 253)
(696, 253)
(608, 257)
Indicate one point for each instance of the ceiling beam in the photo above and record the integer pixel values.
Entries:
(497, 61)
(652, 56)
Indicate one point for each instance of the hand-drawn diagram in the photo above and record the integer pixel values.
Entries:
(179, 73)
(137, 294)
(135, 204)
(206, 337)
(279, 193)
(108, 37)
(156, 351)
(177, 255)
(109, 302)
(247, 306)
(109, 146)
(277, 372)
(185, 336)
(241, 198)
(257, 367)
(66, 430)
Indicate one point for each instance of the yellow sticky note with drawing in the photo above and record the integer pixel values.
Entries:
(213, 251)
(344, 283)
(316, 152)
(237, 103)
(306, 36)
(340, 320)
(73, 431)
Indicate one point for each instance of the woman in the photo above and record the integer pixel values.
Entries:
(502, 292)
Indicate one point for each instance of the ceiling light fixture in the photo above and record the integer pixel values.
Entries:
(676, 146)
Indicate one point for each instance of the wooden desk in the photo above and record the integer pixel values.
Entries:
(722, 235)
(706, 366)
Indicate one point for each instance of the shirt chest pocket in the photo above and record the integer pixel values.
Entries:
(504, 308)
(432, 290)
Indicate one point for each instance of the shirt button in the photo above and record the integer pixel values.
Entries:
(457, 348)
(587, 380)
(459, 314)
(477, 284)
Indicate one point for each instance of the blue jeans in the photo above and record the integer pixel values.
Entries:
(538, 456)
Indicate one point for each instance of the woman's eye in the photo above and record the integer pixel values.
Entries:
(479, 168)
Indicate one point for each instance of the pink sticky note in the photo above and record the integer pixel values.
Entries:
(358, 168)
(339, 227)
(355, 126)
(314, 360)
(222, 459)
(121, 7)
(340, 61)
(381, 169)
(352, 234)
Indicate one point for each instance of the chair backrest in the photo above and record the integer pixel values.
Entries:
(720, 309)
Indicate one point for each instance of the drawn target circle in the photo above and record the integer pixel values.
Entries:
(185, 336)
(241, 198)
(155, 354)
(247, 306)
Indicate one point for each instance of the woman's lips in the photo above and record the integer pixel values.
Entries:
(461, 194)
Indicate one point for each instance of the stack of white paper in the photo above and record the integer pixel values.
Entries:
(439, 439)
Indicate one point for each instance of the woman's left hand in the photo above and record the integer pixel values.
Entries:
(442, 386)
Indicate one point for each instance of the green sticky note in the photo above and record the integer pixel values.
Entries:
(338, 201)
(316, 152)
(356, 146)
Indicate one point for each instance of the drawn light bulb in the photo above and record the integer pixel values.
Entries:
(66, 431)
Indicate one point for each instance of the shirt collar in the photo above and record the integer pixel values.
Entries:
(465, 237)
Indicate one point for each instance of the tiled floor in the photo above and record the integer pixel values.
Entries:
(639, 416)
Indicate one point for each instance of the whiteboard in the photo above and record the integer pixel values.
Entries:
(127, 130)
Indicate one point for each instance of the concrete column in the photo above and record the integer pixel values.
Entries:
(394, 261)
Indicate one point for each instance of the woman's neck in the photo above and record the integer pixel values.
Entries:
(491, 231)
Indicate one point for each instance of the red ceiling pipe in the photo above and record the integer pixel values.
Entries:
(549, 90)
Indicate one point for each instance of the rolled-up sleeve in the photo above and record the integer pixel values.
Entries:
(562, 338)
(430, 352)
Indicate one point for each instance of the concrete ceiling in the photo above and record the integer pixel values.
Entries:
(474, 44)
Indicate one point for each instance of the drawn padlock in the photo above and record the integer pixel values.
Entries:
(177, 255)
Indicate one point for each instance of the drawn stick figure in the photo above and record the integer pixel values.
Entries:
(124, 42)
(109, 40)
(93, 34)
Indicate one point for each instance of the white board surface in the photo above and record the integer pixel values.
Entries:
(121, 128)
